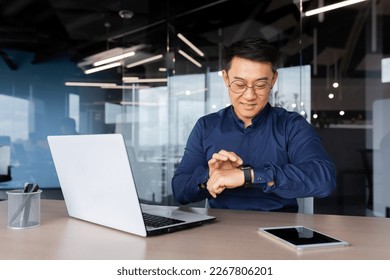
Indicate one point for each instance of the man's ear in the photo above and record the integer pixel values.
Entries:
(225, 77)
(274, 78)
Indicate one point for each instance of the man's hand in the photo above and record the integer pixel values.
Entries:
(224, 160)
(224, 178)
(224, 172)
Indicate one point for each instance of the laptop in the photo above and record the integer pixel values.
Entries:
(98, 185)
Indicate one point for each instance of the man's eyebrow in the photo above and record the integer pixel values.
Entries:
(265, 78)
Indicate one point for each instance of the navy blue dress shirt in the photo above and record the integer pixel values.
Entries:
(281, 146)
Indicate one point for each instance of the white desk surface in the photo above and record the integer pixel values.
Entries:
(233, 235)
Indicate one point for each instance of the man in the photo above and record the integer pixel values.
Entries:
(250, 155)
(68, 126)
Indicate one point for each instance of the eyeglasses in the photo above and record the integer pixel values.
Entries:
(240, 87)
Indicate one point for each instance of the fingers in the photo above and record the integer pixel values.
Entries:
(214, 164)
(224, 160)
(212, 161)
(215, 192)
(223, 167)
(227, 156)
(223, 179)
(213, 185)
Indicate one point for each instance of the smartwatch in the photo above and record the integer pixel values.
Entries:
(204, 184)
(247, 169)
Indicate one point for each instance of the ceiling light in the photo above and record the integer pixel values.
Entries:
(132, 103)
(101, 68)
(136, 80)
(192, 46)
(190, 58)
(125, 87)
(143, 61)
(112, 59)
(104, 85)
(107, 54)
(89, 84)
(126, 14)
(332, 7)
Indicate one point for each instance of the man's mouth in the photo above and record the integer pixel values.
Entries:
(248, 106)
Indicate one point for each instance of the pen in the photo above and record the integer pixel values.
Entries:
(28, 187)
(26, 210)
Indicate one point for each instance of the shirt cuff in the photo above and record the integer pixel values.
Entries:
(263, 175)
(202, 177)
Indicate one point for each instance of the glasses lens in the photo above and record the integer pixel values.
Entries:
(241, 87)
(238, 86)
(260, 87)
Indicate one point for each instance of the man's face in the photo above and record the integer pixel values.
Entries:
(259, 79)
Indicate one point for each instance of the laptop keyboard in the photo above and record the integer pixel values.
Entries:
(158, 221)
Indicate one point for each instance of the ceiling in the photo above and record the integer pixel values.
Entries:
(80, 28)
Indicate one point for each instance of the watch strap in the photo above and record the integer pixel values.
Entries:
(247, 169)
(204, 184)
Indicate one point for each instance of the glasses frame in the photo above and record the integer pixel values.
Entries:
(246, 86)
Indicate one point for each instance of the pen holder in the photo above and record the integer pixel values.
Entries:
(24, 209)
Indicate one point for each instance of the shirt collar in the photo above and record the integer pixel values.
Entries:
(256, 120)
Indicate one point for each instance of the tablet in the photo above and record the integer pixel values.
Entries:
(303, 238)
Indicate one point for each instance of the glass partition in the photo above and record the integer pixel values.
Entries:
(334, 69)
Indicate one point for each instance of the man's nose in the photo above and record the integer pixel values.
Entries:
(249, 93)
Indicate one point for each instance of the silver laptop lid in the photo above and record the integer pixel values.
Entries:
(96, 180)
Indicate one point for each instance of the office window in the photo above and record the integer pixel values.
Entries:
(14, 117)
(385, 70)
(74, 109)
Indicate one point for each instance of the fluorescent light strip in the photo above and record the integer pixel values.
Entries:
(136, 81)
(104, 85)
(192, 46)
(89, 84)
(125, 87)
(131, 103)
(112, 59)
(143, 61)
(101, 68)
(332, 7)
(190, 58)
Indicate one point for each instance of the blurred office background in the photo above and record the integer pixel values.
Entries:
(334, 70)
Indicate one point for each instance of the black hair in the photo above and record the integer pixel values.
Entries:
(256, 49)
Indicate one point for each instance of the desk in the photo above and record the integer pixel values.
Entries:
(233, 235)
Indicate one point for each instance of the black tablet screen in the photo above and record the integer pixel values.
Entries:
(301, 235)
